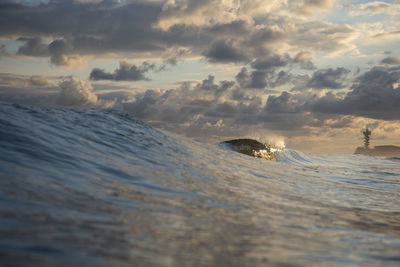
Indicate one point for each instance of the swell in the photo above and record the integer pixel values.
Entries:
(98, 187)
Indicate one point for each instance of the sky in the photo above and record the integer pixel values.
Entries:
(309, 73)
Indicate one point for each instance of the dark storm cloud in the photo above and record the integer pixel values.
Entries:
(375, 94)
(125, 72)
(33, 47)
(328, 78)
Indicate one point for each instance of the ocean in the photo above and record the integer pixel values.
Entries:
(87, 187)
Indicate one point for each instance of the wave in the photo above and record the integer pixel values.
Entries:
(99, 187)
(292, 156)
(249, 147)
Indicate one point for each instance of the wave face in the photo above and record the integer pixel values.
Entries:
(99, 188)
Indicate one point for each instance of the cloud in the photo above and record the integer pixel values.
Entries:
(221, 31)
(87, 29)
(209, 85)
(144, 105)
(272, 44)
(224, 108)
(255, 42)
(265, 73)
(274, 61)
(261, 79)
(375, 94)
(374, 8)
(58, 50)
(391, 60)
(75, 92)
(271, 62)
(282, 78)
(209, 12)
(88, 1)
(280, 104)
(193, 111)
(3, 50)
(319, 3)
(233, 28)
(182, 106)
(192, 12)
(328, 79)
(302, 56)
(304, 59)
(40, 90)
(92, 29)
(225, 51)
(37, 80)
(386, 35)
(33, 47)
(254, 79)
(62, 54)
(310, 7)
(125, 72)
(323, 36)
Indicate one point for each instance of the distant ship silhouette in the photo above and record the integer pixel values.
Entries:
(384, 151)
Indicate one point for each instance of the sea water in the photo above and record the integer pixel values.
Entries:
(100, 188)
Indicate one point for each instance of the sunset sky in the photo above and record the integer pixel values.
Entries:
(312, 73)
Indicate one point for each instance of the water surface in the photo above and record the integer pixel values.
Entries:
(100, 188)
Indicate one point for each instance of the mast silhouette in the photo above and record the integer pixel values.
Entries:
(367, 134)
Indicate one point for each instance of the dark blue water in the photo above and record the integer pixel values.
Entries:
(100, 188)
